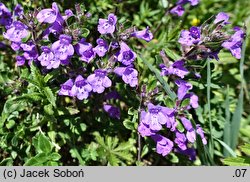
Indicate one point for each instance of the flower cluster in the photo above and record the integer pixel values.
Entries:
(157, 118)
(110, 55)
(208, 41)
(179, 10)
(197, 42)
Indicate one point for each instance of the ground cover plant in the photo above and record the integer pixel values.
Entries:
(113, 82)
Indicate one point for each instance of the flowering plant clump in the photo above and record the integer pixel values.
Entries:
(85, 72)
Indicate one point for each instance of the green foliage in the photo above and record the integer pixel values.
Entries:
(239, 160)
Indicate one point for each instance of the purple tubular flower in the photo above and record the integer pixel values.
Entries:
(99, 81)
(126, 55)
(68, 13)
(177, 10)
(49, 15)
(222, 18)
(101, 48)
(181, 140)
(183, 88)
(155, 117)
(56, 28)
(20, 60)
(193, 100)
(234, 44)
(143, 34)
(192, 2)
(85, 50)
(81, 88)
(163, 145)
(18, 11)
(16, 32)
(48, 59)
(66, 88)
(191, 136)
(129, 75)
(190, 37)
(62, 48)
(200, 132)
(5, 15)
(143, 129)
(114, 112)
(30, 51)
(177, 68)
(106, 26)
(15, 46)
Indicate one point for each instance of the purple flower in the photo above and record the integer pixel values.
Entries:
(143, 34)
(30, 51)
(234, 44)
(114, 112)
(193, 100)
(20, 60)
(48, 59)
(66, 88)
(15, 46)
(183, 88)
(68, 13)
(126, 55)
(101, 48)
(129, 75)
(18, 11)
(49, 15)
(85, 50)
(155, 117)
(191, 136)
(81, 88)
(144, 130)
(222, 18)
(163, 145)
(5, 15)
(192, 2)
(200, 132)
(177, 68)
(190, 37)
(99, 81)
(181, 140)
(16, 32)
(106, 26)
(177, 10)
(56, 28)
(62, 48)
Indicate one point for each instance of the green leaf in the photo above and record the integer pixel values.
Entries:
(37, 160)
(246, 149)
(44, 144)
(50, 96)
(36, 75)
(128, 124)
(235, 123)
(229, 150)
(238, 161)
(54, 156)
(165, 85)
(172, 54)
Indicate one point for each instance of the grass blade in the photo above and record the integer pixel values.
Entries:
(235, 124)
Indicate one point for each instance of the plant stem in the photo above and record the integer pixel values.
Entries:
(211, 143)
